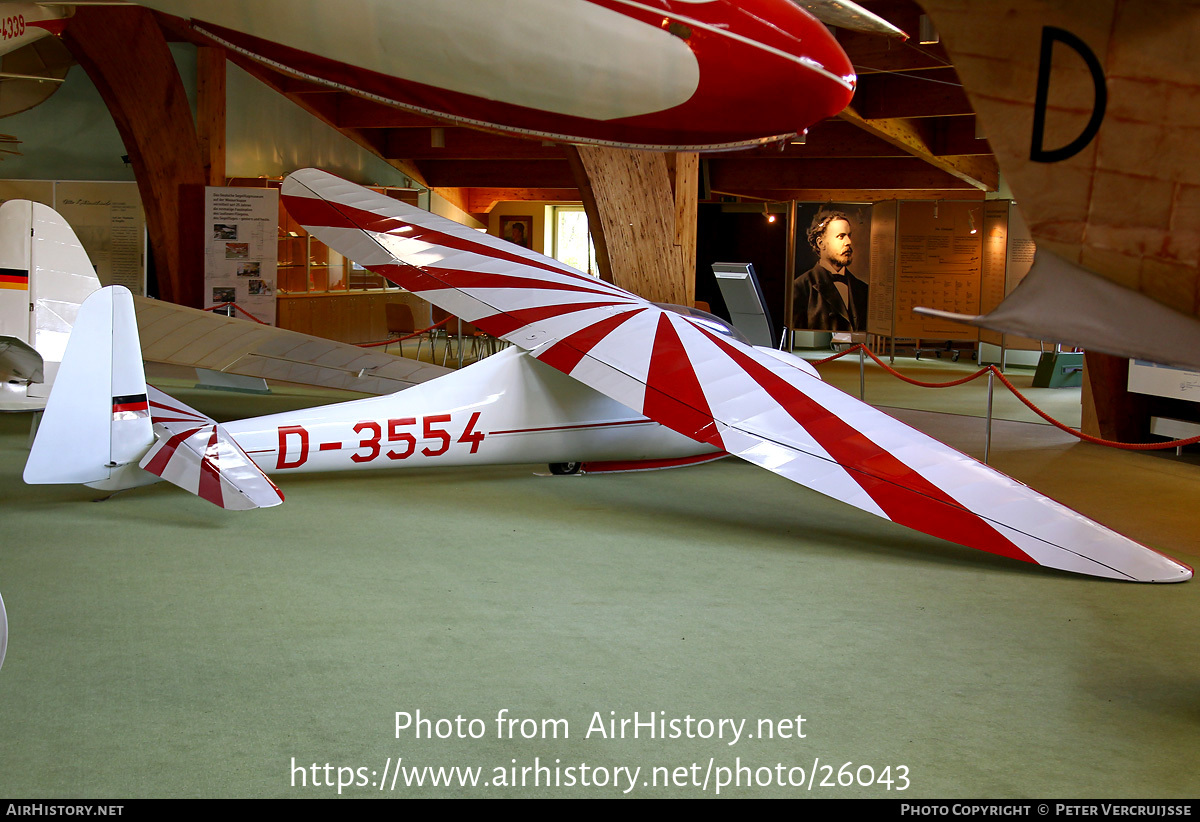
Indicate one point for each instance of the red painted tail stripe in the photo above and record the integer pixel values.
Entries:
(157, 465)
(673, 393)
(210, 473)
(903, 494)
(567, 352)
(191, 415)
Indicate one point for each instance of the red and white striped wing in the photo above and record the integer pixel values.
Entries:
(709, 387)
(197, 454)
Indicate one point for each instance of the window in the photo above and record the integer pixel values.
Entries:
(572, 240)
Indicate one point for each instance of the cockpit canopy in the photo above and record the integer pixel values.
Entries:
(710, 321)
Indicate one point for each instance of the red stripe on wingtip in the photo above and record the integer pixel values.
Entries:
(319, 212)
(904, 495)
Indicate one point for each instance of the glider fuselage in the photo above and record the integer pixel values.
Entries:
(506, 409)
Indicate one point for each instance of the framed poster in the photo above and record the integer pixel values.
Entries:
(830, 289)
(517, 229)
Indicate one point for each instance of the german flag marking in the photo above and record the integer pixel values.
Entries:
(130, 407)
(14, 278)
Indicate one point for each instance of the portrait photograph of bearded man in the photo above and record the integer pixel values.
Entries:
(828, 296)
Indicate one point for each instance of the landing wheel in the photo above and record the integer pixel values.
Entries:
(562, 469)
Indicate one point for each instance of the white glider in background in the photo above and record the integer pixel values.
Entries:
(44, 277)
(595, 375)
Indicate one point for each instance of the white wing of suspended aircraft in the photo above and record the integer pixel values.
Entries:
(595, 374)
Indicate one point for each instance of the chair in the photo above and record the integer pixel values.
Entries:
(400, 324)
(460, 329)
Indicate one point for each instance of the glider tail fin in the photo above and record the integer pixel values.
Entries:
(98, 429)
(97, 421)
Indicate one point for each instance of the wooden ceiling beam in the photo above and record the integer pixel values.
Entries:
(483, 200)
(842, 174)
(828, 138)
(956, 135)
(354, 111)
(926, 93)
(852, 195)
(296, 85)
(870, 53)
(913, 137)
(498, 173)
(465, 144)
(324, 108)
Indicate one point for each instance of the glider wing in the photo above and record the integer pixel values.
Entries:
(709, 387)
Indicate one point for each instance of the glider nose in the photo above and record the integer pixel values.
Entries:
(821, 79)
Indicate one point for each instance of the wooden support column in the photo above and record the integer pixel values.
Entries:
(210, 112)
(125, 54)
(1109, 410)
(641, 207)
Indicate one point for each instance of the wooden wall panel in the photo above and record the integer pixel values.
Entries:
(352, 318)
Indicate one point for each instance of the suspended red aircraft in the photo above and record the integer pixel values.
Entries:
(656, 74)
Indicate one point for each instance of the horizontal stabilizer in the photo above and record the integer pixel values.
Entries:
(204, 460)
(1062, 302)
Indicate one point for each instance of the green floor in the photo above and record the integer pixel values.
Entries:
(162, 647)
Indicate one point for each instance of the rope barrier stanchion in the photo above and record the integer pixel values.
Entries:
(236, 307)
(995, 373)
(987, 439)
(862, 375)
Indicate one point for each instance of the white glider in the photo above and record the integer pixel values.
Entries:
(595, 375)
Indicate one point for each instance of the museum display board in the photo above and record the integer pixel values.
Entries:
(1007, 257)
(881, 314)
(241, 248)
(928, 254)
(107, 217)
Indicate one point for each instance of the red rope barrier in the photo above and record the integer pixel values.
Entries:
(236, 307)
(1128, 446)
(391, 340)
